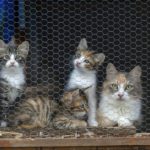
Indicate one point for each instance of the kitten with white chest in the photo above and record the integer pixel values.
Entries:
(12, 76)
(83, 76)
(120, 102)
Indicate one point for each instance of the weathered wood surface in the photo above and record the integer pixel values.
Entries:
(81, 142)
(66, 133)
(89, 139)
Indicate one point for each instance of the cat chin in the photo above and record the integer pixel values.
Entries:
(13, 67)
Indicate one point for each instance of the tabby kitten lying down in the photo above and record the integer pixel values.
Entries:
(12, 76)
(120, 102)
(34, 112)
(73, 110)
(42, 112)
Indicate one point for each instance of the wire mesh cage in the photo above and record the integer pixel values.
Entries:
(119, 29)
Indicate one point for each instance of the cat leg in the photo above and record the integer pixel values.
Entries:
(4, 113)
(64, 122)
(3, 124)
(124, 122)
(92, 101)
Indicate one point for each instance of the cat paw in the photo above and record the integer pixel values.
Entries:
(92, 123)
(123, 122)
(3, 124)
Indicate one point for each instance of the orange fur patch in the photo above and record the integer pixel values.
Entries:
(87, 53)
(121, 79)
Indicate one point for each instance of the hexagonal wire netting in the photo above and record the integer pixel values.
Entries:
(119, 29)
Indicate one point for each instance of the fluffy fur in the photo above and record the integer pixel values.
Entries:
(34, 112)
(120, 102)
(40, 111)
(84, 75)
(73, 110)
(12, 76)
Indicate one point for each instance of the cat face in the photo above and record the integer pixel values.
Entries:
(85, 59)
(76, 101)
(122, 86)
(12, 56)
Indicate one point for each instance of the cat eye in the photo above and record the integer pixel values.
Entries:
(6, 57)
(78, 55)
(18, 57)
(114, 86)
(129, 87)
(86, 61)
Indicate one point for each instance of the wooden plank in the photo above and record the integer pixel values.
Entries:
(120, 148)
(81, 142)
(71, 148)
(85, 148)
(20, 148)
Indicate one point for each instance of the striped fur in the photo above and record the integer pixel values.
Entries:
(12, 76)
(34, 112)
(42, 111)
(73, 112)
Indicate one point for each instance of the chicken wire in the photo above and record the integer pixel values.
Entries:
(119, 29)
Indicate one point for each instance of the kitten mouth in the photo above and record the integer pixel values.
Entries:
(120, 99)
(12, 66)
(77, 65)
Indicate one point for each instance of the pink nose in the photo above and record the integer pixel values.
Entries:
(77, 63)
(12, 63)
(120, 95)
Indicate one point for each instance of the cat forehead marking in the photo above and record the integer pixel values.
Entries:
(87, 53)
(121, 79)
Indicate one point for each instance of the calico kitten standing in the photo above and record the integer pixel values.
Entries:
(120, 102)
(84, 75)
(12, 76)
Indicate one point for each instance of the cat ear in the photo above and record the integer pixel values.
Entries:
(82, 45)
(136, 72)
(76, 92)
(110, 71)
(99, 58)
(2, 47)
(81, 93)
(23, 48)
(12, 42)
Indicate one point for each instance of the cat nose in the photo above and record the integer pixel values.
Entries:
(12, 63)
(77, 63)
(120, 95)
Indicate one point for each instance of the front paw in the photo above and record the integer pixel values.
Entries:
(92, 123)
(123, 122)
(3, 124)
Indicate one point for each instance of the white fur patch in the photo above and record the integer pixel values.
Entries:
(81, 80)
(12, 62)
(16, 78)
(84, 79)
(124, 112)
(3, 124)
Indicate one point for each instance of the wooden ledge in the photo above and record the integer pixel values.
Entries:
(82, 142)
